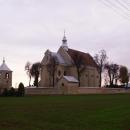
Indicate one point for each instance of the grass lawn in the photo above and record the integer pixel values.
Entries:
(86, 112)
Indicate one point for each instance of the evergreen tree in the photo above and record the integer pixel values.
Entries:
(21, 90)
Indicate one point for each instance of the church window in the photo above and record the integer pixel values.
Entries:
(86, 75)
(7, 76)
(62, 84)
(59, 73)
(65, 73)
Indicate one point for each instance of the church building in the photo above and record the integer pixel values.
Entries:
(5, 76)
(68, 67)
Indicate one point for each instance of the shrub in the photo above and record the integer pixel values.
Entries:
(21, 90)
(11, 92)
(5, 92)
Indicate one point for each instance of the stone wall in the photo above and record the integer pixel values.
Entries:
(93, 90)
(43, 91)
(81, 90)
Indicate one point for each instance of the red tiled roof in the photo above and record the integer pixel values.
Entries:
(86, 58)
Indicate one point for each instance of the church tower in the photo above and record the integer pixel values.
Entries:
(64, 43)
(5, 76)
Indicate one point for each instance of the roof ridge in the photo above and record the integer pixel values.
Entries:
(79, 51)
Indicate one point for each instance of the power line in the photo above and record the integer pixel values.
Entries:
(122, 5)
(110, 6)
(126, 2)
(115, 10)
(117, 7)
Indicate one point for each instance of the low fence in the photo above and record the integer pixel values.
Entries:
(80, 90)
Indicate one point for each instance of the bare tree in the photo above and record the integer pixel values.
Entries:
(112, 72)
(27, 69)
(80, 65)
(124, 75)
(35, 72)
(106, 78)
(101, 59)
(51, 67)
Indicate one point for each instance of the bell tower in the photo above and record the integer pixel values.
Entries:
(5, 76)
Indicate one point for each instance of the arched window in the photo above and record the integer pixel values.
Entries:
(7, 75)
(62, 84)
(65, 73)
(59, 73)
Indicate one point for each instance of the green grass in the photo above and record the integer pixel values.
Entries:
(86, 112)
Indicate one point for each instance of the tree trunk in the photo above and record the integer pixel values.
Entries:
(29, 80)
(53, 81)
(78, 76)
(53, 78)
(79, 81)
(100, 79)
(36, 81)
(116, 81)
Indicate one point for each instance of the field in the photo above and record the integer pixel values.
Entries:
(84, 112)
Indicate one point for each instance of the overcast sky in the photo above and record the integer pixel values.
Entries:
(29, 27)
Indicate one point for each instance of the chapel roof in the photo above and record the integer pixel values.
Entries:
(85, 57)
(71, 79)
